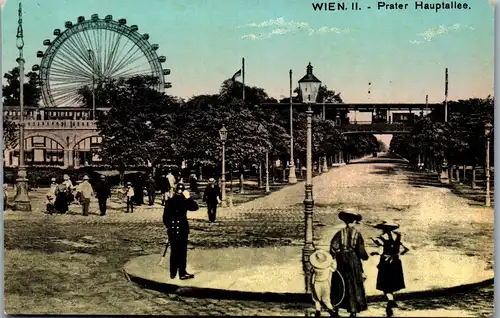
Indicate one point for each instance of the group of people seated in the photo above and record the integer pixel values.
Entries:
(60, 196)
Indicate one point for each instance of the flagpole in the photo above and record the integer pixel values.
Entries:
(243, 75)
(446, 95)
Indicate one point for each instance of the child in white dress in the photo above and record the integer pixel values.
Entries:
(323, 266)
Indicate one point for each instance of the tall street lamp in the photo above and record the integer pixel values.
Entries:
(22, 200)
(223, 138)
(292, 178)
(487, 133)
(309, 86)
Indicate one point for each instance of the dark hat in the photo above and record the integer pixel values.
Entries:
(349, 217)
(387, 226)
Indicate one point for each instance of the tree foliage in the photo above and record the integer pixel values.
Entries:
(460, 140)
(144, 125)
(11, 91)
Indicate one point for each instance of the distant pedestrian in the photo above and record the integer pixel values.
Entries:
(212, 197)
(390, 278)
(139, 191)
(130, 193)
(171, 182)
(348, 248)
(176, 222)
(102, 193)
(323, 267)
(151, 190)
(4, 197)
(193, 184)
(164, 189)
(69, 188)
(51, 196)
(86, 191)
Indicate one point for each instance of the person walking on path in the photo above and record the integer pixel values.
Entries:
(151, 189)
(193, 184)
(171, 182)
(129, 193)
(390, 278)
(212, 197)
(51, 196)
(85, 188)
(102, 193)
(323, 266)
(348, 248)
(61, 203)
(164, 189)
(175, 220)
(4, 197)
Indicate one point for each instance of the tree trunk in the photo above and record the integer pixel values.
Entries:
(273, 171)
(260, 175)
(122, 176)
(231, 180)
(300, 168)
(457, 173)
(242, 179)
(284, 172)
(201, 172)
(464, 177)
(473, 181)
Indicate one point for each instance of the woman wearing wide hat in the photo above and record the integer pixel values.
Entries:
(390, 276)
(348, 248)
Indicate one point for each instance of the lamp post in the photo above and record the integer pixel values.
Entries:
(223, 138)
(309, 86)
(292, 178)
(91, 60)
(487, 133)
(22, 200)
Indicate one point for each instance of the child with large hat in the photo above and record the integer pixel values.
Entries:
(323, 266)
(390, 276)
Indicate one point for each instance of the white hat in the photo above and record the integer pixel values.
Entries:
(321, 259)
(86, 178)
(211, 180)
(66, 177)
(53, 179)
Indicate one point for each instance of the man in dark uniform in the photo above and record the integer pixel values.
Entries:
(102, 193)
(175, 220)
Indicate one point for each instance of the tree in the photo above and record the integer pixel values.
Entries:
(10, 136)
(11, 91)
(138, 128)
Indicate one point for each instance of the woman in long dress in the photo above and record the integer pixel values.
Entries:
(390, 278)
(348, 248)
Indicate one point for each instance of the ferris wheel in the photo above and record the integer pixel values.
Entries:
(95, 51)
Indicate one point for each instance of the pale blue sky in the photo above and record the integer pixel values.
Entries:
(402, 53)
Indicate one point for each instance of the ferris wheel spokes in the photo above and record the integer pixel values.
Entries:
(116, 51)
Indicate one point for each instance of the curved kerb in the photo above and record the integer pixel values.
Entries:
(198, 292)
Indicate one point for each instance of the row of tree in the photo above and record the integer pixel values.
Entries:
(458, 141)
(144, 126)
